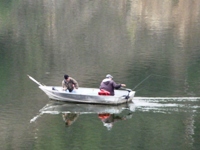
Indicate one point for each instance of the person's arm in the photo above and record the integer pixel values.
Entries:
(117, 86)
(75, 83)
(123, 85)
(63, 86)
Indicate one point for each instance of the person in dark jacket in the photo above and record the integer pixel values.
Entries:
(69, 83)
(109, 119)
(109, 84)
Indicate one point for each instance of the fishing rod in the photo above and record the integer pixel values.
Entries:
(153, 75)
(129, 90)
(142, 81)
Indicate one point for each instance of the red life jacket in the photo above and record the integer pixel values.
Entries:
(103, 92)
(103, 116)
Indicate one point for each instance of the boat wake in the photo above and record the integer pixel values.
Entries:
(166, 104)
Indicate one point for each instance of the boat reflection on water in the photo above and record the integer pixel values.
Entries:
(109, 114)
(70, 112)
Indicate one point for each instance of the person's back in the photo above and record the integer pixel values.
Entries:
(109, 85)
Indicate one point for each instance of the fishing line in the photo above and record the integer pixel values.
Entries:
(154, 75)
(168, 77)
(141, 82)
(140, 89)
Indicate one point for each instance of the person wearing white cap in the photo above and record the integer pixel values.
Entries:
(109, 84)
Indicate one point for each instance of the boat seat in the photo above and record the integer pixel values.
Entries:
(103, 92)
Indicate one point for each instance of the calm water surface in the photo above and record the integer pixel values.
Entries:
(151, 46)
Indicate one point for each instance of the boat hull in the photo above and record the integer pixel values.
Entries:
(87, 95)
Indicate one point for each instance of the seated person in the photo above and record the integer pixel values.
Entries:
(109, 84)
(69, 83)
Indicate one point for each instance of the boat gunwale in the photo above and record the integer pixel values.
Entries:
(64, 92)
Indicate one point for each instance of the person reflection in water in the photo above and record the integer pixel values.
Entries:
(109, 119)
(69, 118)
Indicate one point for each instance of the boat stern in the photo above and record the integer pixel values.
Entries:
(131, 95)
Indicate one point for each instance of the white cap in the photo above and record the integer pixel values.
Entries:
(108, 125)
(109, 76)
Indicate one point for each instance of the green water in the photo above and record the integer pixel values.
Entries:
(130, 40)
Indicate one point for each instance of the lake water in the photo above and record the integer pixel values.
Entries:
(151, 46)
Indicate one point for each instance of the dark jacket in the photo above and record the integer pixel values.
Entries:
(109, 85)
